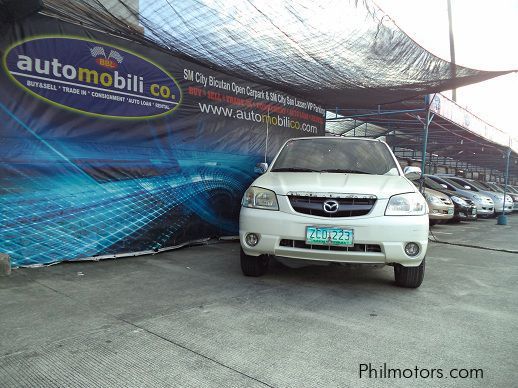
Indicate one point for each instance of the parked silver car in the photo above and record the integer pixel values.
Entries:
(485, 205)
(512, 192)
(498, 198)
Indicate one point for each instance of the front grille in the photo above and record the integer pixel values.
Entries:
(446, 201)
(347, 207)
(354, 248)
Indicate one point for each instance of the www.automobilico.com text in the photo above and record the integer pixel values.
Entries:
(232, 100)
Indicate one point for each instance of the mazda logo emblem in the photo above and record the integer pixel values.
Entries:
(331, 206)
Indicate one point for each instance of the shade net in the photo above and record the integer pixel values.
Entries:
(335, 53)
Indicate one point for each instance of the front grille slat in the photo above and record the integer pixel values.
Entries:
(348, 207)
(301, 244)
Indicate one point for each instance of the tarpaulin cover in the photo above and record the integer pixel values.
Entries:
(109, 147)
(338, 53)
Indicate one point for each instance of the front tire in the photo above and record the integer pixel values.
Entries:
(409, 277)
(254, 265)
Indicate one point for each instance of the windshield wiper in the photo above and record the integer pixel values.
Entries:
(344, 171)
(293, 169)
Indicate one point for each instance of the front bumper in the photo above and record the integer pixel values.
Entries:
(466, 212)
(508, 208)
(390, 233)
(441, 212)
(485, 209)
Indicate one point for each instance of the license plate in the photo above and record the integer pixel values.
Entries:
(316, 235)
(474, 211)
(450, 211)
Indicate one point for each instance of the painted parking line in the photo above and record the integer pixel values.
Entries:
(441, 232)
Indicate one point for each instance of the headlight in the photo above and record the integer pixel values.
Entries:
(411, 204)
(432, 199)
(258, 198)
(458, 200)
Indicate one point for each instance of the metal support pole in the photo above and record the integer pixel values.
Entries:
(502, 219)
(425, 141)
(453, 66)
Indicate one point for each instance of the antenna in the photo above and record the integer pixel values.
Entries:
(266, 148)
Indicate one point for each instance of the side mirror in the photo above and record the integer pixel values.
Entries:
(261, 168)
(467, 187)
(412, 172)
(443, 185)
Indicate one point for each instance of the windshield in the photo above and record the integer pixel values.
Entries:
(485, 186)
(432, 184)
(336, 155)
(478, 186)
(453, 183)
(494, 187)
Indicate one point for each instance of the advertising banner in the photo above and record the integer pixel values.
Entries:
(108, 147)
(449, 110)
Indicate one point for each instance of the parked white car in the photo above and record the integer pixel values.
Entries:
(336, 200)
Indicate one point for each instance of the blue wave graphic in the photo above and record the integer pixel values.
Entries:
(42, 228)
(62, 200)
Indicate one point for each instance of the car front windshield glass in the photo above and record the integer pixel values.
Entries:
(455, 184)
(478, 186)
(336, 155)
(485, 186)
(431, 184)
(495, 188)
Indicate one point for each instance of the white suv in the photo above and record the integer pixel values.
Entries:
(339, 200)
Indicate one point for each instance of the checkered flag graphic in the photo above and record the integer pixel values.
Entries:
(115, 55)
(97, 51)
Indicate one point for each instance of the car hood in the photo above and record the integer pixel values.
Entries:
(382, 186)
(492, 194)
(472, 194)
(451, 193)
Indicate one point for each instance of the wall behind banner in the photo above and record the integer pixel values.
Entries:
(109, 147)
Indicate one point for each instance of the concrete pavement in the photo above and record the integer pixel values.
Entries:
(188, 318)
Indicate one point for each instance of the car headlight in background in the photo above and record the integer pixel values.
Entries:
(432, 199)
(499, 199)
(259, 198)
(411, 204)
(458, 200)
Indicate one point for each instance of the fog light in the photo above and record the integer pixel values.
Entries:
(412, 249)
(252, 239)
